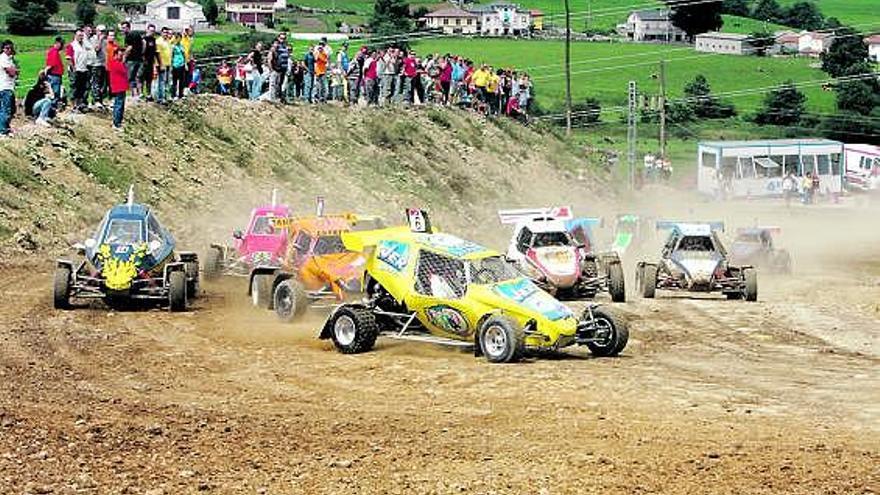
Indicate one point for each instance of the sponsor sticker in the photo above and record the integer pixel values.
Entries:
(448, 319)
(393, 255)
(526, 293)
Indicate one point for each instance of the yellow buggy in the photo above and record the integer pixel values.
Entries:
(433, 287)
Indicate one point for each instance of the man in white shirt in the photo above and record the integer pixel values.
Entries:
(8, 76)
(83, 55)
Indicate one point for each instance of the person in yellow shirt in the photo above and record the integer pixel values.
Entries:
(479, 79)
(493, 81)
(163, 50)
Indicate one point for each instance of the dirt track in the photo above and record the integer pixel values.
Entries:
(711, 396)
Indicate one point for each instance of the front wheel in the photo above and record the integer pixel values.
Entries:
(649, 281)
(750, 293)
(502, 340)
(177, 291)
(61, 288)
(353, 329)
(192, 279)
(616, 286)
(290, 300)
(611, 333)
(261, 290)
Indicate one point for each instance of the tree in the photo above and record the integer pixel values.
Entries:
(761, 41)
(783, 106)
(695, 18)
(853, 128)
(736, 7)
(85, 12)
(860, 96)
(390, 17)
(833, 23)
(586, 112)
(30, 16)
(767, 10)
(804, 15)
(699, 97)
(211, 11)
(847, 50)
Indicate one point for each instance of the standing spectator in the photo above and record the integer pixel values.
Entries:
(298, 74)
(163, 51)
(309, 75)
(321, 59)
(111, 46)
(342, 59)
(224, 78)
(789, 187)
(195, 78)
(493, 85)
(97, 63)
(280, 63)
(445, 77)
(118, 73)
(807, 188)
(337, 82)
(80, 70)
(353, 75)
(370, 74)
(8, 76)
(134, 58)
(178, 67)
(390, 62)
(255, 57)
(186, 41)
(55, 68)
(40, 100)
(151, 61)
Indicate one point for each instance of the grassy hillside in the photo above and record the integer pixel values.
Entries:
(208, 160)
(602, 70)
(861, 12)
(746, 25)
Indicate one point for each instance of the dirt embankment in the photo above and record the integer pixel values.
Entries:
(204, 161)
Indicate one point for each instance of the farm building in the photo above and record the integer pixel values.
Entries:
(787, 42)
(503, 19)
(650, 25)
(862, 167)
(873, 43)
(253, 12)
(726, 43)
(813, 44)
(737, 169)
(453, 21)
(175, 14)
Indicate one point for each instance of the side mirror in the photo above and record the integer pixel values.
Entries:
(237, 234)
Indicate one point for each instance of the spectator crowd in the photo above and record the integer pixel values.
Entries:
(104, 68)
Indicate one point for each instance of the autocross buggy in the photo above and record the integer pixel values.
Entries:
(259, 244)
(130, 258)
(434, 287)
(755, 246)
(556, 251)
(694, 260)
(316, 268)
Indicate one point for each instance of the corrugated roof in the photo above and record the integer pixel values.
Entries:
(771, 142)
(450, 12)
(652, 15)
(724, 36)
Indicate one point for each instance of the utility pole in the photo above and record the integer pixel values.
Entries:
(567, 69)
(631, 134)
(663, 109)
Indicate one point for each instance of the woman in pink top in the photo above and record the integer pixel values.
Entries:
(445, 78)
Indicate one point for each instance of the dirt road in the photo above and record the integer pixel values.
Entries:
(711, 396)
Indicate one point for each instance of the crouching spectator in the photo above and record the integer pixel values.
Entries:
(118, 75)
(40, 100)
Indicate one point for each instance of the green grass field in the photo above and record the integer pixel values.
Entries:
(865, 13)
(596, 74)
(745, 25)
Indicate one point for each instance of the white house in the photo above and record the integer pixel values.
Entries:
(650, 25)
(726, 43)
(253, 12)
(813, 44)
(174, 14)
(873, 43)
(453, 21)
(503, 19)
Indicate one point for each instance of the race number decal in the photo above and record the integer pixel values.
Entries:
(418, 220)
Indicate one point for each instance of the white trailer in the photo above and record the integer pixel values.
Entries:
(862, 167)
(739, 169)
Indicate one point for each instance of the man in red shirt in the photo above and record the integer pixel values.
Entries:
(55, 67)
(118, 75)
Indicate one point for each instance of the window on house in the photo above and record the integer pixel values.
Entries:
(458, 22)
(173, 13)
(445, 22)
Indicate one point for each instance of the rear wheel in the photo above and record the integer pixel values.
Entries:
(616, 286)
(192, 279)
(213, 261)
(177, 291)
(353, 329)
(611, 333)
(649, 281)
(261, 290)
(61, 288)
(750, 276)
(502, 340)
(290, 300)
